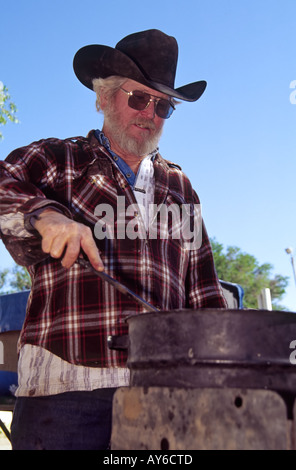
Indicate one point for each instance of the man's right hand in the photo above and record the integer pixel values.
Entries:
(63, 235)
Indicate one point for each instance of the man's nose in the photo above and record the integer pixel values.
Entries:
(149, 111)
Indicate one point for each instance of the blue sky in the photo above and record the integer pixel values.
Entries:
(237, 143)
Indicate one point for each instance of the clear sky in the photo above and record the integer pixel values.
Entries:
(237, 143)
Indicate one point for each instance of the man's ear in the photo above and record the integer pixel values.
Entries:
(103, 99)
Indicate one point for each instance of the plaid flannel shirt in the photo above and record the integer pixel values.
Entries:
(71, 312)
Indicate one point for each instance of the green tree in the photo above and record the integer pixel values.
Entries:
(20, 279)
(7, 108)
(3, 276)
(14, 279)
(233, 265)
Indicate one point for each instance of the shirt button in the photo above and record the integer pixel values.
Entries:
(128, 175)
(32, 392)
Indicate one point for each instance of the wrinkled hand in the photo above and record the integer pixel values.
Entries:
(63, 235)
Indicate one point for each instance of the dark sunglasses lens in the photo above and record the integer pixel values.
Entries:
(138, 100)
(164, 109)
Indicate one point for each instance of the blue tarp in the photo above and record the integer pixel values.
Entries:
(13, 310)
(12, 315)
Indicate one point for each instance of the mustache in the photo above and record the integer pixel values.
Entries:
(144, 122)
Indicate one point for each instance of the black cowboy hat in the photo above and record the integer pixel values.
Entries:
(148, 57)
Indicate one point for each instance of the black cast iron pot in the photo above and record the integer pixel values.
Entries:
(213, 348)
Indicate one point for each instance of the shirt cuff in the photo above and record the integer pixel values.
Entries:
(31, 217)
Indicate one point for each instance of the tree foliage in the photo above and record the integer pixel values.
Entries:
(233, 265)
(3, 276)
(15, 279)
(7, 108)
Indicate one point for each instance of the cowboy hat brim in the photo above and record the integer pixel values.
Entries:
(98, 61)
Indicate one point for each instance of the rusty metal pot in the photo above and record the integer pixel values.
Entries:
(213, 348)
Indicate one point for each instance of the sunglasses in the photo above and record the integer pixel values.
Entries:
(140, 100)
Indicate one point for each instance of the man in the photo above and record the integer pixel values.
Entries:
(113, 200)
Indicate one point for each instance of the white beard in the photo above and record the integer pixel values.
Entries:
(128, 143)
